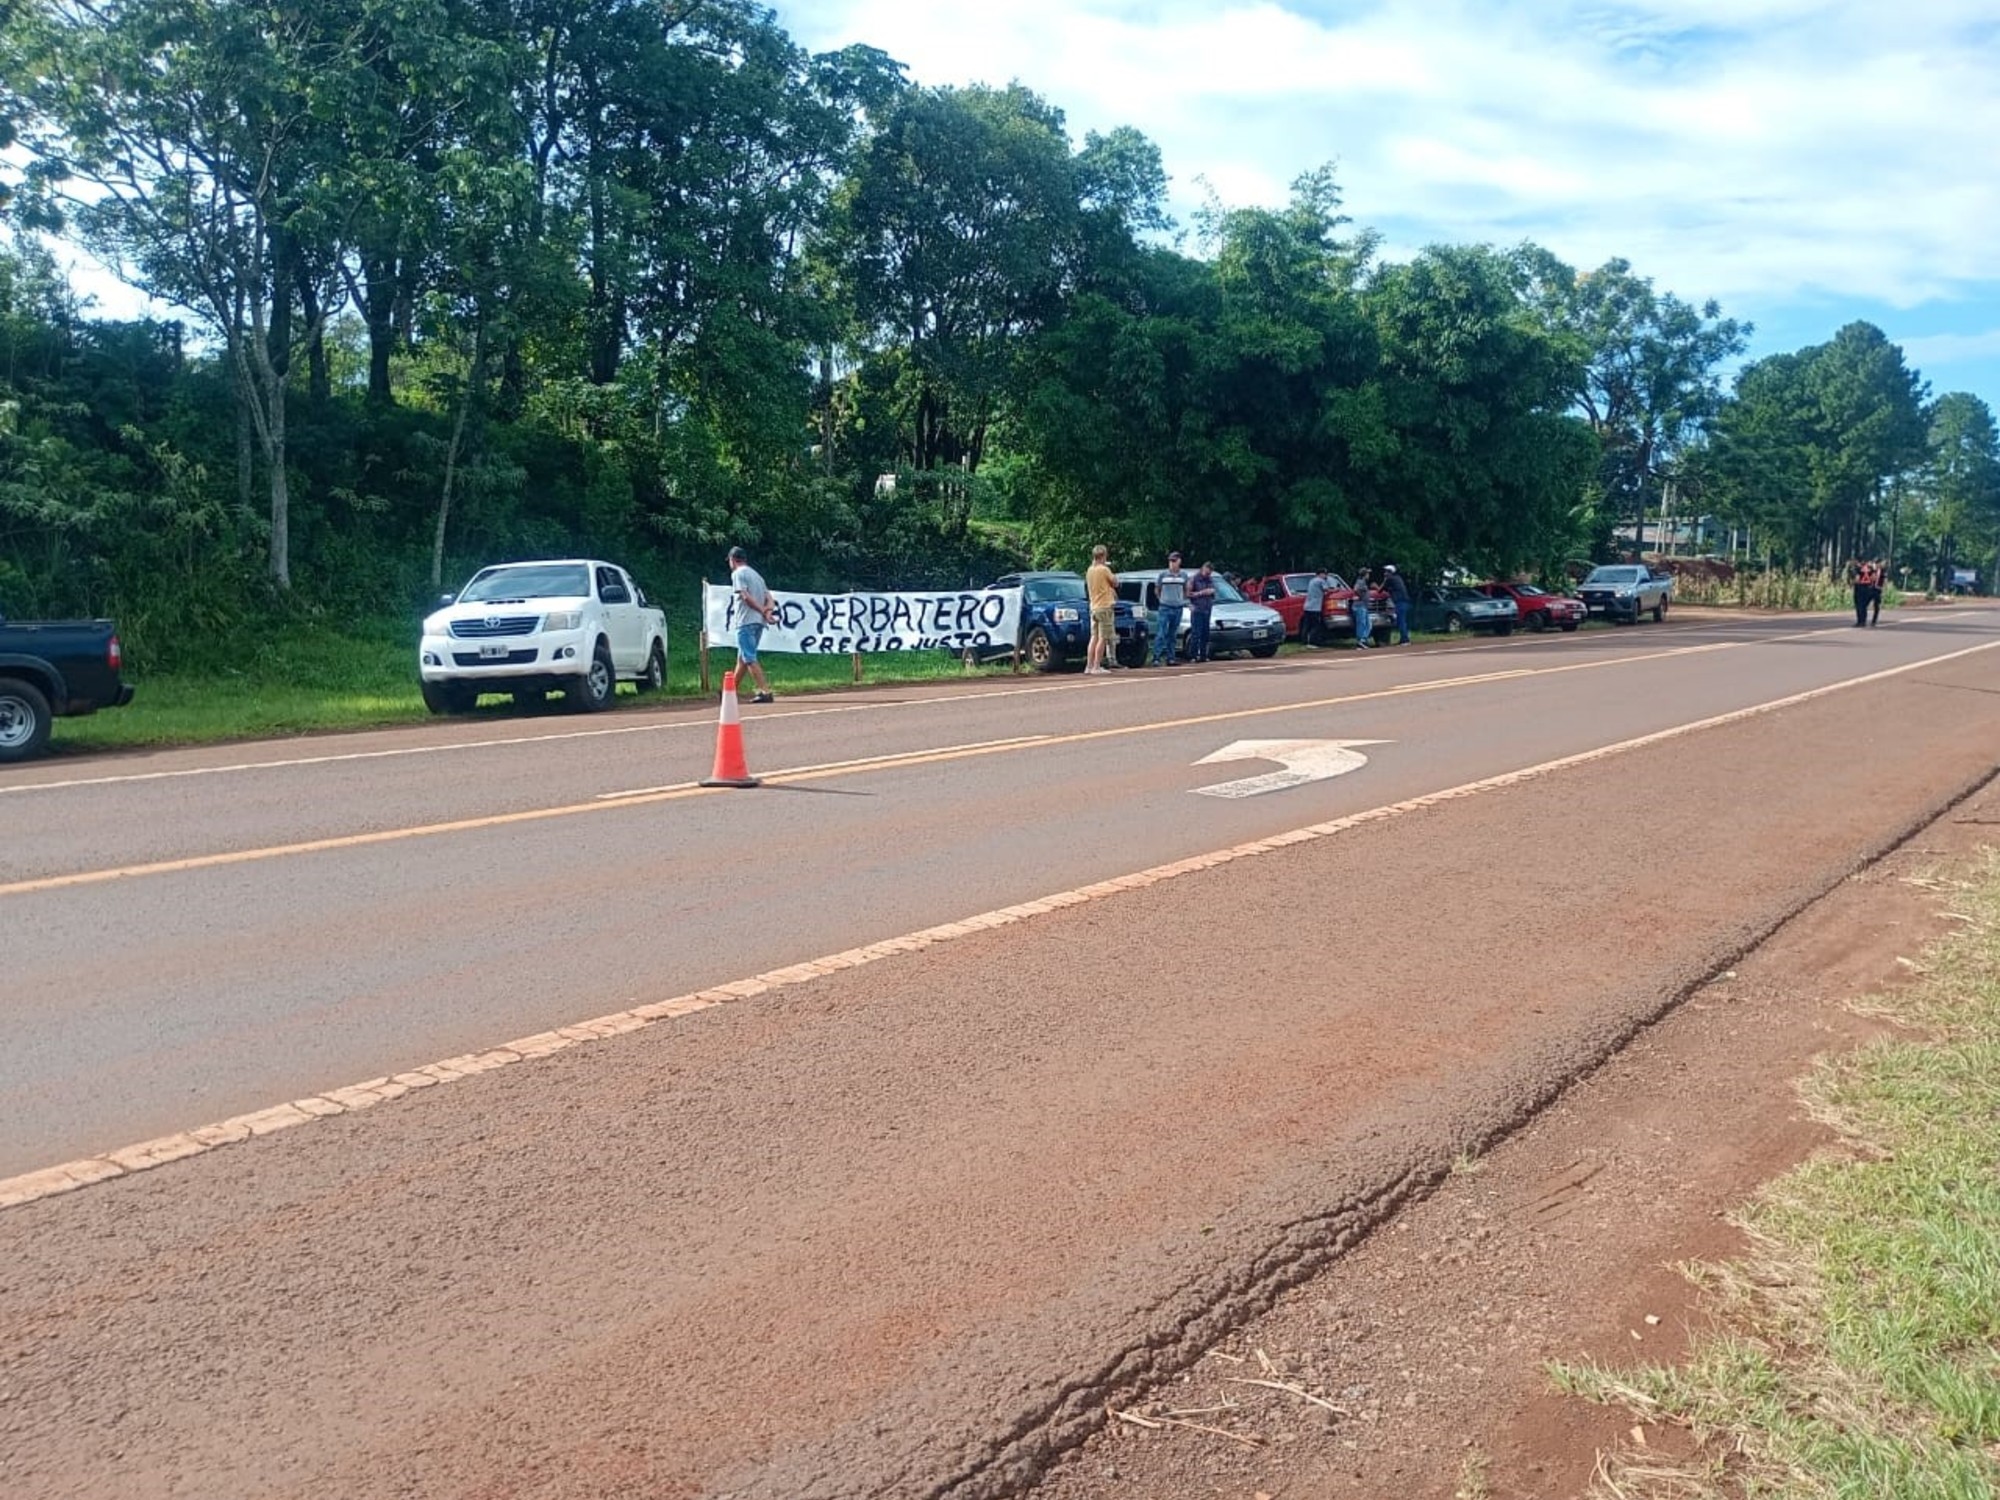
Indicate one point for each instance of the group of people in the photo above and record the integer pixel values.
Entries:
(1868, 577)
(1177, 591)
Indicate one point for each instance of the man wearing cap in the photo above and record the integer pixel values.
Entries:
(1312, 623)
(1171, 600)
(754, 611)
(1399, 601)
(1201, 604)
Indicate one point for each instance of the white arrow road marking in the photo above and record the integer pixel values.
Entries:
(1303, 760)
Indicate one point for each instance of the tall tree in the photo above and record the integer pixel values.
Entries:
(1651, 366)
(200, 145)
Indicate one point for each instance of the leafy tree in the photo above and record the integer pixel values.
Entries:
(1651, 365)
(1959, 486)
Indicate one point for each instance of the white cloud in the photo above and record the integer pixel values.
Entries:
(1729, 148)
(1930, 351)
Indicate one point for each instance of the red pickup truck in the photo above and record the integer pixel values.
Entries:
(1286, 593)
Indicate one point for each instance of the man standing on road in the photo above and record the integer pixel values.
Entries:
(1201, 601)
(1863, 576)
(1364, 627)
(1399, 601)
(1312, 624)
(1102, 653)
(1170, 601)
(754, 611)
(1876, 586)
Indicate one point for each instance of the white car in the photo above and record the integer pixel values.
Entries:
(574, 626)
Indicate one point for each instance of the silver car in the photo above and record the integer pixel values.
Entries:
(1234, 624)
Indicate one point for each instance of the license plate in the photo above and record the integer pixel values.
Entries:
(1257, 635)
(493, 650)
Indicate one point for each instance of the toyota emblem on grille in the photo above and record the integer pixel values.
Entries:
(492, 622)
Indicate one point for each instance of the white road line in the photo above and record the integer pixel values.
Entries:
(49, 1182)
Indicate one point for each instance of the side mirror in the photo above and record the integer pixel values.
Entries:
(445, 601)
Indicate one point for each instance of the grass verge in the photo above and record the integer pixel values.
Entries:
(1855, 1352)
(305, 680)
(302, 680)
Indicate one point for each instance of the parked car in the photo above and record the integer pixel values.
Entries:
(1539, 609)
(1286, 593)
(1055, 622)
(1622, 592)
(575, 626)
(54, 669)
(1234, 624)
(1454, 609)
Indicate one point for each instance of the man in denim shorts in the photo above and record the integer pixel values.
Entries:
(753, 612)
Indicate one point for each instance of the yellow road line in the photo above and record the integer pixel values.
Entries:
(682, 790)
(817, 711)
(67, 1177)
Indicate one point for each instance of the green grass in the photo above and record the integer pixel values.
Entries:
(1857, 1348)
(304, 680)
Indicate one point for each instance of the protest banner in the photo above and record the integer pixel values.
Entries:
(849, 624)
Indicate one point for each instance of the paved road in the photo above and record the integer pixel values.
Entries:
(896, 1230)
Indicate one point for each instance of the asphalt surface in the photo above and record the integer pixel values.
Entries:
(899, 1230)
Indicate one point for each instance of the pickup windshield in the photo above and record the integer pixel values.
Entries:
(528, 581)
(1616, 575)
(1052, 590)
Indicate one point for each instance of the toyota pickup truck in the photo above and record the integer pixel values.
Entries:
(575, 626)
(1622, 592)
(52, 669)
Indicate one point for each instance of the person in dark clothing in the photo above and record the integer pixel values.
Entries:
(1399, 601)
(1875, 591)
(1201, 603)
(1863, 574)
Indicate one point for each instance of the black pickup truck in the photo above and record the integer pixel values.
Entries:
(50, 669)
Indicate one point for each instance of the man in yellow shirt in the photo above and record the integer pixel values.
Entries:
(1102, 653)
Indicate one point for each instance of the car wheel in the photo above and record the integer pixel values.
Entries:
(24, 719)
(1538, 621)
(1569, 627)
(1503, 629)
(592, 691)
(1453, 625)
(1659, 611)
(654, 678)
(1265, 653)
(1041, 651)
(448, 698)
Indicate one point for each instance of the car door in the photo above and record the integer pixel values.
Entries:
(622, 622)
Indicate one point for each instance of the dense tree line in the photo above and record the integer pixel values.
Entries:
(466, 278)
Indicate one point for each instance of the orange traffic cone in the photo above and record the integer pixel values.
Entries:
(730, 767)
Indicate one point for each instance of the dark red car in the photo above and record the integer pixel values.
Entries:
(1540, 610)
(1286, 593)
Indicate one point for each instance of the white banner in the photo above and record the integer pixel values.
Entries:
(840, 624)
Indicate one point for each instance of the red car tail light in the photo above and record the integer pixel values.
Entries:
(114, 655)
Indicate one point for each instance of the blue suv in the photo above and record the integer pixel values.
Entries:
(1055, 622)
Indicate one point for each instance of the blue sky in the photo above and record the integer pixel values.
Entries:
(1803, 164)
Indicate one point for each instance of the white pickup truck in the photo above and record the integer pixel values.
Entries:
(574, 626)
(1625, 591)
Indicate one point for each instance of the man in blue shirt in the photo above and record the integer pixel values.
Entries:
(1172, 598)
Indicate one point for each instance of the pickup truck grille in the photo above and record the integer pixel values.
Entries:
(492, 625)
(511, 659)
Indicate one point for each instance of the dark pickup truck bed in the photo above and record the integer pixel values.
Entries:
(52, 669)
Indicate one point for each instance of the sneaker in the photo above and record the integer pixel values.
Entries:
(763, 698)
(1093, 671)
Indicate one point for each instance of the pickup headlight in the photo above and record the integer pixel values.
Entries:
(1066, 615)
(1626, 592)
(565, 619)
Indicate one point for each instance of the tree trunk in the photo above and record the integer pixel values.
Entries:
(246, 452)
(474, 378)
(281, 499)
